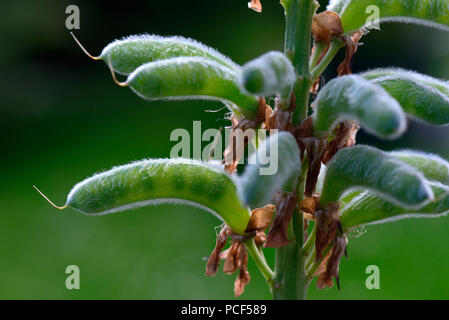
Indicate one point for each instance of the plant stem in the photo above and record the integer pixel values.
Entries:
(260, 261)
(290, 281)
(298, 35)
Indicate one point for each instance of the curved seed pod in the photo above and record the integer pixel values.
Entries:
(368, 208)
(354, 98)
(270, 74)
(440, 85)
(362, 167)
(191, 78)
(354, 14)
(433, 167)
(150, 182)
(127, 54)
(420, 97)
(274, 166)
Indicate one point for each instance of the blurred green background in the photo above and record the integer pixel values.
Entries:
(62, 119)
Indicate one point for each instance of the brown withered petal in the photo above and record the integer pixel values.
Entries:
(322, 267)
(279, 119)
(232, 259)
(325, 26)
(243, 278)
(328, 223)
(240, 137)
(345, 131)
(333, 264)
(303, 133)
(255, 5)
(260, 218)
(352, 43)
(214, 259)
(277, 236)
(224, 254)
(315, 151)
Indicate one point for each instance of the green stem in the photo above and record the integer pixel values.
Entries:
(260, 261)
(298, 35)
(334, 47)
(291, 281)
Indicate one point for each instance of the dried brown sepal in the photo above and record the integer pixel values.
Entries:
(325, 26)
(214, 259)
(322, 267)
(310, 205)
(345, 135)
(240, 137)
(332, 267)
(352, 43)
(243, 278)
(328, 224)
(255, 5)
(260, 238)
(260, 218)
(277, 235)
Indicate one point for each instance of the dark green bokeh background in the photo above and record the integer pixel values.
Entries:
(62, 119)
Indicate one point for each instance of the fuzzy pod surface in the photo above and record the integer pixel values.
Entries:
(275, 166)
(191, 78)
(422, 97)
(150, 182)
(368, 208)
(354, 14)
(354, 98)
(270, 74)
(127, 54)
(366, 168)
(432, 166)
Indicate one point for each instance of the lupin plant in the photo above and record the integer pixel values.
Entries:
(325, 185)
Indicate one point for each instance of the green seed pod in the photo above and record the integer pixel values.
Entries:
(273, 167)
(440, 85)
(270, 74)
(362, 167)
(150, 182)
(354, 98)
(422, 97)
(368, 208)
(127, 54)
(354, 14)
(191, 78)
(433, 167)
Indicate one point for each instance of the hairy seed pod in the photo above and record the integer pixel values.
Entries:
(273, 167)
(362, 167)
(354, 98)
(354, 14)
(422, 97)
(270, 74)
(127, 54)
(432, 166)
(191, 78)
(368, 208)
(440, 85)
(156, 181)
